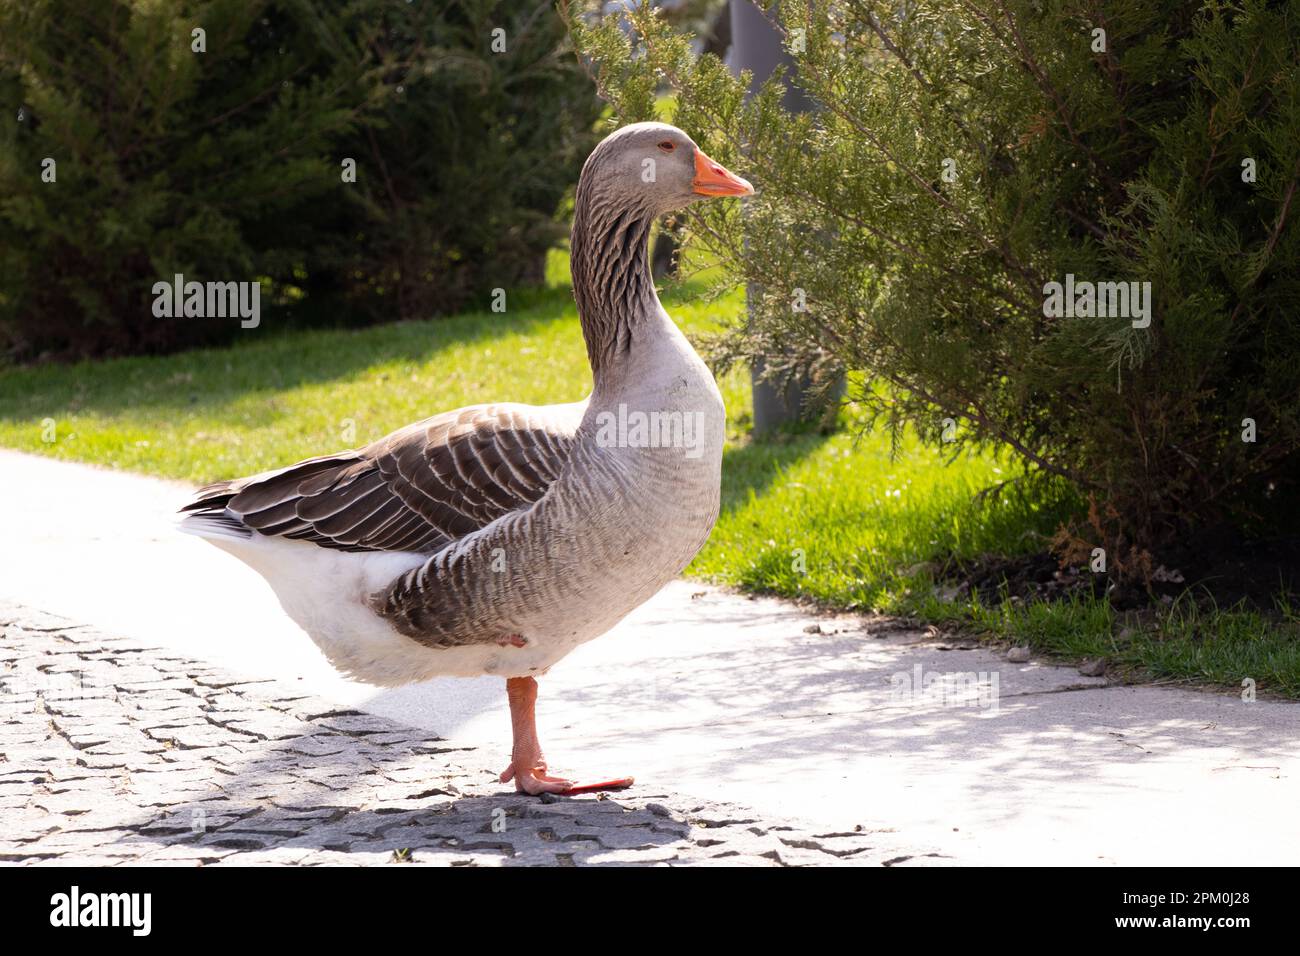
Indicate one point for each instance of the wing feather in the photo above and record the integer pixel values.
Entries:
(417, 489)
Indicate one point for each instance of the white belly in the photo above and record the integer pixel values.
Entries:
(324, 592)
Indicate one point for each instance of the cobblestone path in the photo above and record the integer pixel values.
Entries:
(112, 753)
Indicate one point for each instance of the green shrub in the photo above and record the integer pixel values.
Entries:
(227, 164)
(468, 164)
(968, 154)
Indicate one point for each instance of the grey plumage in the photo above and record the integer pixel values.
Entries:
(526, 526)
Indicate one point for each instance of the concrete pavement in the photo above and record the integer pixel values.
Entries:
(840, 724)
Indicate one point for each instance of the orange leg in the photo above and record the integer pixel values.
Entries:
(527, 764)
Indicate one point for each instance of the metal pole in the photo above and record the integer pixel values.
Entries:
(757, 46)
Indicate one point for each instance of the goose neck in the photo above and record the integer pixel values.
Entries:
(612, 285)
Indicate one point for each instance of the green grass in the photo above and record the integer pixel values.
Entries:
(826, 518)
(836, 520)
(1190, 642)
(278, 398)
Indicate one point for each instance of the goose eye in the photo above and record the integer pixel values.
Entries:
(668, 146)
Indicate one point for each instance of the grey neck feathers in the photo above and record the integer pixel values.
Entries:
(611, 274)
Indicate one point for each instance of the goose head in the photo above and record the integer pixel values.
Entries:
(654, 169)
(635, 175)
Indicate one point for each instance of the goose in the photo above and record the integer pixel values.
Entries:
(497, 538)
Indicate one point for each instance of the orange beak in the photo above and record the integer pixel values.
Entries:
(714, 179)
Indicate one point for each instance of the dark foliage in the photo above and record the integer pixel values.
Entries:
(227, 164)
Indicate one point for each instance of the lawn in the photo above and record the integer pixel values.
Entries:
(830, 518)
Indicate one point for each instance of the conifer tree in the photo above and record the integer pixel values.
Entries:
(398, 157)
(180, 135)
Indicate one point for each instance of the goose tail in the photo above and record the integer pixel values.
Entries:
(215, 524)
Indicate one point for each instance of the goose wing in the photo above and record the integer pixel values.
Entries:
(418, 489)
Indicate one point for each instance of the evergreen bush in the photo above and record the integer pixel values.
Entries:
(219, 156)
(970, 155)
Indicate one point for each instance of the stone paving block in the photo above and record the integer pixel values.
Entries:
(176, 762)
